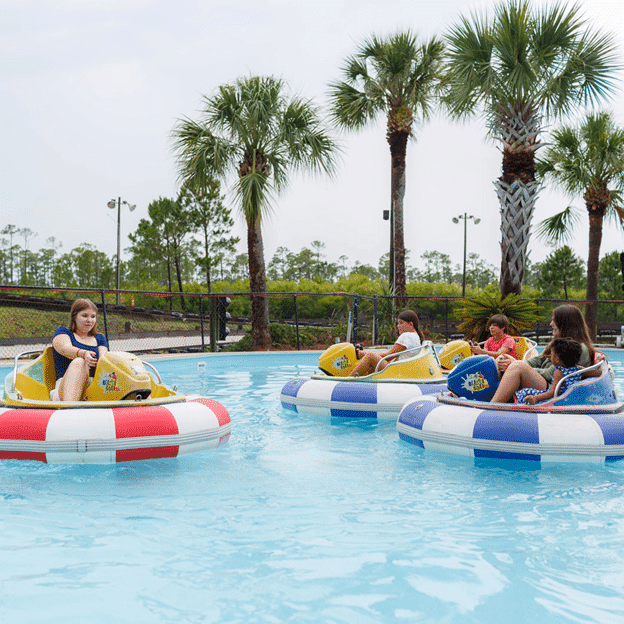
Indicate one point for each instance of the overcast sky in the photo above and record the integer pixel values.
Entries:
(90, 90)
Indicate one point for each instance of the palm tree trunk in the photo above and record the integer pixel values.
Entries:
(398, 150)
(207, 260)
(596, 215)
(517, 203)
(260, 331)
(517, 190)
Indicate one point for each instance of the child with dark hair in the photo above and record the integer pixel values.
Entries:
(409, 338)
(499, 342)
(565, 354)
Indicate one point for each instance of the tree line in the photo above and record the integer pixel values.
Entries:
(188, 242)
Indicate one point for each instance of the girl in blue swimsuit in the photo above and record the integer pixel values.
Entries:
(76, 351)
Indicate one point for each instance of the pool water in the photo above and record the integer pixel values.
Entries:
(299, 519)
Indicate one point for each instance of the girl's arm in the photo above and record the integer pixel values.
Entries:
(396, 348)
(477, 350)
(532, 399)
(61, 344)
(592, 373)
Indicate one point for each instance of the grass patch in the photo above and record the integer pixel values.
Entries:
(17, 322)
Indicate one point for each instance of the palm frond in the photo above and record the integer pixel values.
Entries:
(616, 212)
(201, 154)
(253, 191)
(385, 74)
(547, 56)
(588, 156)
(350, 108)
(521, 313)
(559, 228)
(307, 144)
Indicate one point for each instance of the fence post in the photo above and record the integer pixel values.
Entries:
(356, 305)
(105, 320)
(201, 322)
(375, 321)
(537, 324)
(214, 323)
(446, 329)
(297, 322)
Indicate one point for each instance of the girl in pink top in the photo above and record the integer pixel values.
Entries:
(499, 343)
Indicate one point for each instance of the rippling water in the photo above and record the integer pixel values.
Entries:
(299, 519)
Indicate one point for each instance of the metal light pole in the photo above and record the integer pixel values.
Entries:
(388, 215)
(111, 204)
(465, 217)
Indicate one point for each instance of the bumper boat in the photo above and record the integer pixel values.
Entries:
(379, 395)
(128, 414)
(584, 424)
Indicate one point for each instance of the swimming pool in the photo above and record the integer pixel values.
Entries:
(299, 519)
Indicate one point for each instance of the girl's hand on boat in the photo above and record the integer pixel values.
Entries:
(90, 358)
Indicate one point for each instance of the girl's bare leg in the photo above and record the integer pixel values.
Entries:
(366, 365)
(518, 375)
(74, 381)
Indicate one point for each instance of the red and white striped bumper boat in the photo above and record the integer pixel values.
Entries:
(165, 424)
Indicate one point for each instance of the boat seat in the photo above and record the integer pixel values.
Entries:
(523, 346)
(421, 363)
(38, 377)
(589, 391)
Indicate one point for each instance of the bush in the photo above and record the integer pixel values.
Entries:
(521, 314)
(285, 337)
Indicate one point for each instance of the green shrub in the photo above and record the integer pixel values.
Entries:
(284, 336)
(521, 314)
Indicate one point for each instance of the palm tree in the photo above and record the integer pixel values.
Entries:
(588, 160)
(252, 128)
(520, 69)
(399, 78)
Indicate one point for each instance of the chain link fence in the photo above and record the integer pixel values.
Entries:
(28, 318)
(158, 322)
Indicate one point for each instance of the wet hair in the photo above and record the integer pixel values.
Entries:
(571, 324)
(500, 320)
(77, 307)
(410, 317)
(567, 350)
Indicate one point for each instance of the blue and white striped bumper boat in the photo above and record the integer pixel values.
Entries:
(586, 424)
(327, 396)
